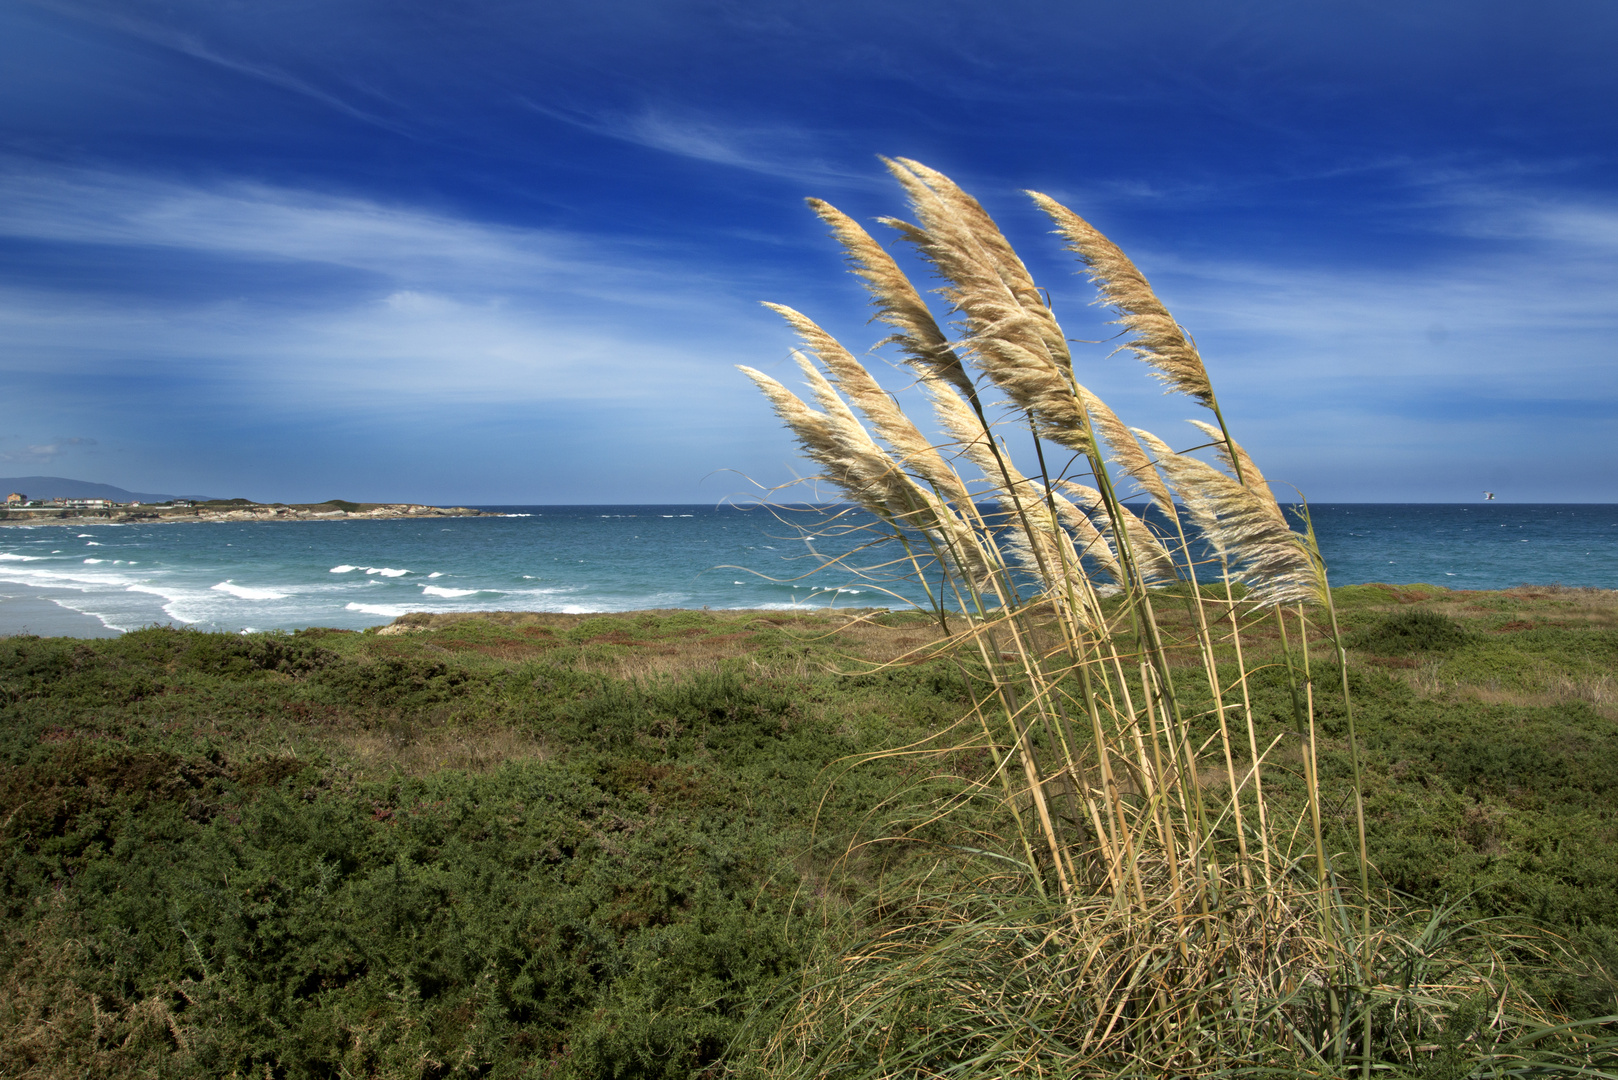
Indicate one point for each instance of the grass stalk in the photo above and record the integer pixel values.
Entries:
(1174, 950)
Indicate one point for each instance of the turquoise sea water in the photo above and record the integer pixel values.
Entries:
(285, 575)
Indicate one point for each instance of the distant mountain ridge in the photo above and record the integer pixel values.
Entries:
(60, 487)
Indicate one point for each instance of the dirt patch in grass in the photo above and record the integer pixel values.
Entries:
(409, 753)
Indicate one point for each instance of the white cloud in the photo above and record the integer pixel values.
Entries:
(43, 453)
(768, 149)
(1387, 363)
(446, 309)
(264, 222)
(1524, 305)
(192, 45)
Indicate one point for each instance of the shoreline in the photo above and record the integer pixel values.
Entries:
(36, 611)
(130, 515)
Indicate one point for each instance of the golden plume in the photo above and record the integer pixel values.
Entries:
(1243, 527)
(1156, 337)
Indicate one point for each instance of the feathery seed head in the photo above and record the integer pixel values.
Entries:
(1275, 563)
(1125, 450)
(852, 378)
(897, 302)
(1236, 460)
(1156, 337)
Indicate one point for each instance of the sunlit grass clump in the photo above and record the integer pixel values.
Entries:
(1163, 900)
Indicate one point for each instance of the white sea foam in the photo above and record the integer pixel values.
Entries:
(246, 593)
(92, 562)
(343, 569)
(9, 557)
(386, 571)
(436, 573)
(390, 611)
(434, 590)
(81, 536)
(92, 543)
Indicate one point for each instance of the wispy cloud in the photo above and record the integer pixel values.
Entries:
(447, 309)
(121, 20)
(43, 453)
(259, 221)
(774, 149)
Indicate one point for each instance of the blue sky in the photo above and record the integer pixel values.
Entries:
(509, 252)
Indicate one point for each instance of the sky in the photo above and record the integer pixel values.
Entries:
(501, 252)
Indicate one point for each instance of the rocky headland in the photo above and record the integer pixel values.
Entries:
(233, 510)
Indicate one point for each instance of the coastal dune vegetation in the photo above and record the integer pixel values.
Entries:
(531, 845)
(1163, 898)
(1138, 793)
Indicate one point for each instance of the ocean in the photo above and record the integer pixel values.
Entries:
(98, 580)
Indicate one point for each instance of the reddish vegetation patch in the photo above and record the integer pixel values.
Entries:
(503, 650)
(1409, 596)
(268, 772)
(739, 636)
(666, 782)
(305, 712)
(1517, 624)
(617, 637)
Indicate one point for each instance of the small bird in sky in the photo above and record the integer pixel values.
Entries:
(1488, 495)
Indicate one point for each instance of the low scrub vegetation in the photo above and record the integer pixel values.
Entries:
(481, 848)
(1135, 793)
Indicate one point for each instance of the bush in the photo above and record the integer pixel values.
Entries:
(1411, 630)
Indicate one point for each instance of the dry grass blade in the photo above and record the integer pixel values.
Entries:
(1156, 564)
(1126, 451)
(981, 984)
(855, 463)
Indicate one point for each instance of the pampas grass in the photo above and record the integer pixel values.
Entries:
(1134, 918)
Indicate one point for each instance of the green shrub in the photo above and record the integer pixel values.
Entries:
(1411, 630)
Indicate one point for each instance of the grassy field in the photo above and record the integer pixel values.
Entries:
(549, 845)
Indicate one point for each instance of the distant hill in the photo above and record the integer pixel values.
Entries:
(59, 487)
